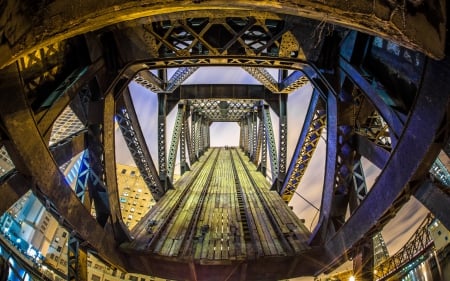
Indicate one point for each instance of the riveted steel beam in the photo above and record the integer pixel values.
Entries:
(179, 77)
(404, 164)
(382, 19)
(132, 133)
(184, 143)
(283, 131)
(306, 145)
(175, 140)
(264, 77)
(271, 142)
(162, 158)
(150, 81)
(294, 81)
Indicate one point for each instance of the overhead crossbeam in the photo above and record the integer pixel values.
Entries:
(264, 77)
(179, 77)
(216, 110)
(150, 81)
(313, 125)
(129, 125)
(295, 81)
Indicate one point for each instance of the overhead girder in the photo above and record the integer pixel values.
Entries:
(180, 75)
(306, 145)
(131, 130)
(383, 19)
(31, 153)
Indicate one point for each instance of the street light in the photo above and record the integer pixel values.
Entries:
(352, 278)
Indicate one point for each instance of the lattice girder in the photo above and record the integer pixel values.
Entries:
(314, 123)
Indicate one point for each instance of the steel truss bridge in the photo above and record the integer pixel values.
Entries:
(379, 72)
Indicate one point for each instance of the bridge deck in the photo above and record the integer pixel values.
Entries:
(220, 212)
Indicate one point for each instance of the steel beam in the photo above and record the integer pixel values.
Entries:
(175, 141)
(388, 114)
(12, 187)
(381, 20)
(322, 230)
(31, 150)
(264, 77)
(271, 142)
(76, 261)
(67, 148)
(132, 133)
(295, 81)
(262, 167)
(282, 149)
(436, 198)
(63, 95)
(184, 143)
(179, 77)
(150, 81)
(162, 158)
(404, 163)
(374, 153)
(306, 145)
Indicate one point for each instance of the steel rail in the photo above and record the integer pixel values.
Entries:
(192, 227)
(286, 245)
(246, 218)
(176, 206)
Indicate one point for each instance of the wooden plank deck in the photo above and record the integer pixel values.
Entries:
(216, 231)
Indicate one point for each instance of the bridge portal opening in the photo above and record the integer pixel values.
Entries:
(224, 134)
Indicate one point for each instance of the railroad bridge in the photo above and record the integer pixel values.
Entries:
(379, 75)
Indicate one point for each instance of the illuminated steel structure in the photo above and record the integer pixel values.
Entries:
(378, 70)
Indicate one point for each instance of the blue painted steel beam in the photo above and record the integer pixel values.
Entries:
(306, 144)
(388, 114)
(416, 147)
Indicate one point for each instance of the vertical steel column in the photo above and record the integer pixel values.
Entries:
(254, 136)
(175, 141)
(200, 137)
(258, 145)
(77, 261)
(242, 135)
(163, 176)
(185, 143)
(263, 164)
(363, 263)
(249, 134)
(271, 142)
(282, 156)
(194, 143)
